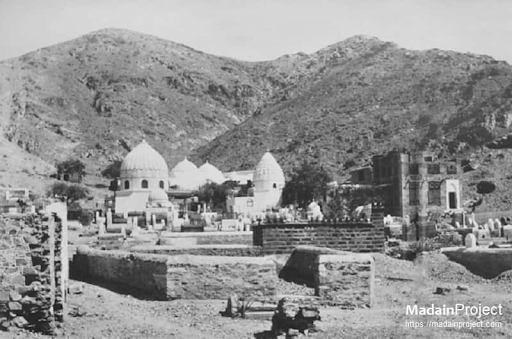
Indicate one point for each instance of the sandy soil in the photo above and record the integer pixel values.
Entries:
(100, 313)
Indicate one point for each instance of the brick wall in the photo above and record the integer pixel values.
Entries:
(31, 292)
(351, 236)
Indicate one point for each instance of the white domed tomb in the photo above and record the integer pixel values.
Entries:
(142, 171)
(212, 173)
(186, 176)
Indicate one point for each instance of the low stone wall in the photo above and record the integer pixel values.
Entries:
(354, 237)
(485, 262)
(201, 277)
(165, 277)
(339, 278)
(301, 265)
(143, 275)
(208, 250)
(31, 290)
(207, 238)
(346, 280)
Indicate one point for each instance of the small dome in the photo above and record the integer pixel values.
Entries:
(144, 162)
(158, 195)
(268, 170)
(186, 176)
(212, 173)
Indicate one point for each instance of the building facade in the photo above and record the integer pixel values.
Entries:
(413, 184)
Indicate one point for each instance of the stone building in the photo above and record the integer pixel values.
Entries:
(414, 184)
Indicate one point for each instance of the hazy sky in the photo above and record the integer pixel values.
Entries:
(265, 29)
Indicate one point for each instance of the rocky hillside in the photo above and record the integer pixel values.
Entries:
(95, 97)
(363, 97)
(99, 95)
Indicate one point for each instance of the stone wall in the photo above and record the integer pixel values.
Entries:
(352, 236)
(201, 277)
(345, 280)
(31, 280)
(301, 265)
(165, 277)
(207, 238)
(208, 250)
(340, 278)
(143, 275)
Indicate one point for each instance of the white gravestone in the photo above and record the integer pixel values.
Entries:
(470, 240)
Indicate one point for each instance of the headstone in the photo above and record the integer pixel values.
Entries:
(123, 230)
(97, 217)
(470, 240)
(109, 218)
(457, 224)
(490, 225)
(135, 222)
(483, 236)
(153, 221)
(507, 232)
(101, 226)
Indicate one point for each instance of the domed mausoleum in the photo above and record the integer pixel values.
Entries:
(186, 176)
(143, 170)
(268, 183)
(211, 173)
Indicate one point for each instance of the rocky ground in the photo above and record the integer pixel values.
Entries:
(100, 313)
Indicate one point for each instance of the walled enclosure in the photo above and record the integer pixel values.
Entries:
(354, 237)
(32, 293)
(165, 277)
(344, 236)
(339, 278)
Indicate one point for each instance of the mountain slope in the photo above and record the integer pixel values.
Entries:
(95, 97)
(366, 97)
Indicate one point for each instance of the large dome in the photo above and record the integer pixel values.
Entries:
(186, 176)
(144, 162)
(212, 173)
(268, 170)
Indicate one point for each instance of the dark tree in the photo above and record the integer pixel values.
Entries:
(308, 182)
(113, 170)
(73, 168)
(68, 193)
(485, 187)
(215, 195)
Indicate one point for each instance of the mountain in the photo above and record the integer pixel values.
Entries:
(97, 96)
(362, 97)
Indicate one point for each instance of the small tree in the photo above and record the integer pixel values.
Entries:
(113, 170)
(215, 195)
(67, 193)
(72, 168)
(308, 183)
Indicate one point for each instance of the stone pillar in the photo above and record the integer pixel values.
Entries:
(135, 222)
(97, 217)
(153, 221)
(123, 230)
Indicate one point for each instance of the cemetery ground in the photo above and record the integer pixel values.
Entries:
(97, 312)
